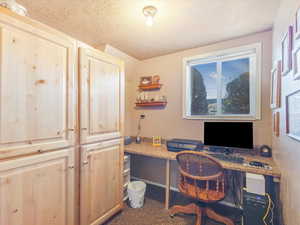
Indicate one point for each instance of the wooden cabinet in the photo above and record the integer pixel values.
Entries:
(38, 189)
(101, 181)
(37, 87)
(101, 96)
(39, 130)
(101, 85)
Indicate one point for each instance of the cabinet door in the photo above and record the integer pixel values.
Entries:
(101, 89)
(101, 182)
(38, 190)
(37, 100)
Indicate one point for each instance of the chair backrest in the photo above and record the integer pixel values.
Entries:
(202, 176)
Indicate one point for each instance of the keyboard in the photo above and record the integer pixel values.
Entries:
(228, 158)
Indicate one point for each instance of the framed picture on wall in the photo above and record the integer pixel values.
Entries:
(296, 62)
(297, 24)
(286, 51)
(276, 122)
(293, 115)
(276, 85)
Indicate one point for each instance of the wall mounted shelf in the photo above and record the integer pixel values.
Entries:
(151, 104)
(150, 87)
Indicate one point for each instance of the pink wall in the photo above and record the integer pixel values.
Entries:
(287, 150)
(169, 123)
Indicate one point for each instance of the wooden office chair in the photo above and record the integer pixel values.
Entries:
(202, 178)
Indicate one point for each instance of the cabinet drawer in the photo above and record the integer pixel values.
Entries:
(125, 192)
(126, 162)
(126, 176)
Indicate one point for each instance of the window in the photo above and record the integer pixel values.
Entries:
(223, 85)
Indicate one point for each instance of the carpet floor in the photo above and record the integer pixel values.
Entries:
(153, 212)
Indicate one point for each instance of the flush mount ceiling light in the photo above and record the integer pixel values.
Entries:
(149, 12)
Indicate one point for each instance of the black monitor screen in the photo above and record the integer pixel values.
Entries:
(229, 134)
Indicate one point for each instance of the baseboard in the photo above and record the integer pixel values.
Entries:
(154, 183)
(108, 215)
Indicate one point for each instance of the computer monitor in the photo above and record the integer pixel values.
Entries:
(229, 134)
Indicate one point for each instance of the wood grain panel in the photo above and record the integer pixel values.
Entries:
(38, 189)
(37, 95)
(101, 96)
(101, 181)
(146, 149)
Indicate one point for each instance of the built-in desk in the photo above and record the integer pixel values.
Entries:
(146, 149)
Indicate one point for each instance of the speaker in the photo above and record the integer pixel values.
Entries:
(265, 151)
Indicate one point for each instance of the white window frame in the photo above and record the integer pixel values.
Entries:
(255, 53)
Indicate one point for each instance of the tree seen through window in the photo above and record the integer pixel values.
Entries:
(226, 92)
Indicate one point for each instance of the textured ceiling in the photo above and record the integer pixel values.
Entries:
(179, 24)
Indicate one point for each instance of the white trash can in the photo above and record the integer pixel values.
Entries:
(136, 193)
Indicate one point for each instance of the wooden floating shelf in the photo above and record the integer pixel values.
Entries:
(149, 104)
(150, 87)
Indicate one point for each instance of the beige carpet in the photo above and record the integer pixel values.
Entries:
(153, 213)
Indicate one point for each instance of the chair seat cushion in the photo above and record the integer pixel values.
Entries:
(204, 195)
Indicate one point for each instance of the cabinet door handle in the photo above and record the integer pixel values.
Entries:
(85, 163)
(66, 130)
(83, 128)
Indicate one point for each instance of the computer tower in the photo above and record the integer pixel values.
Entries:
(255, 208)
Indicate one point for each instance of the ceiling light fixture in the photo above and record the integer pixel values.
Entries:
(149, 12)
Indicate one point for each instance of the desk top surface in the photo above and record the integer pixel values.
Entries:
(161, 152)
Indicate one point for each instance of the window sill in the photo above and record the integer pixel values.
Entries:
(237, 118)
